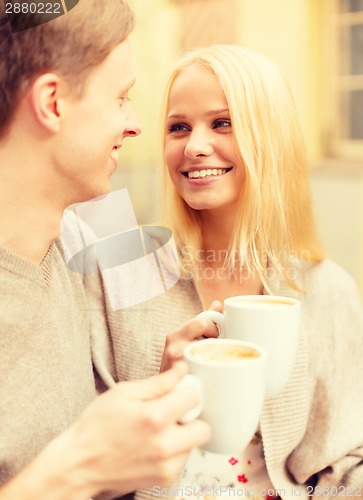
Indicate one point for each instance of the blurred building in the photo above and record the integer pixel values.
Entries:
(319, 46)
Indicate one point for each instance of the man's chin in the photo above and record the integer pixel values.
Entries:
(94, 195)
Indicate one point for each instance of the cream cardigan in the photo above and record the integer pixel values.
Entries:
(313, 431)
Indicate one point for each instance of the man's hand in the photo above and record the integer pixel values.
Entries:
(132, 435)
(126, 439)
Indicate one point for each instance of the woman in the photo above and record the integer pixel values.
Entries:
(238, 201)
(238, 198)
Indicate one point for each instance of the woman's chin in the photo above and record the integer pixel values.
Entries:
(196, 203)
(201, 206)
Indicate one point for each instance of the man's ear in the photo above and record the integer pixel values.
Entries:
(44, 96)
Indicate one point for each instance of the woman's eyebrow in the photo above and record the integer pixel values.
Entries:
(217, 112)
(208, 113)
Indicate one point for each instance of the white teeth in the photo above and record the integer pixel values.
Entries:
(199, 174)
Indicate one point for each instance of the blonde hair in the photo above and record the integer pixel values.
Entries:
(275, 218)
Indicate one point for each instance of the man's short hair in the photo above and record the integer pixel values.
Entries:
(70, 45)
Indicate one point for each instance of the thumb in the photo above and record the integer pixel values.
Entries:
(216, 305)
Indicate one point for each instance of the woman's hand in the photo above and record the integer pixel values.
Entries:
(176, 341)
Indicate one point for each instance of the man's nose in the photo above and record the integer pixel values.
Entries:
(133, 126)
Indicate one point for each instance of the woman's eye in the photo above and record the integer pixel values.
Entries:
(222, 123)
(178, 127)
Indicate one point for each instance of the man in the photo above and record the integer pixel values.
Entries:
(64, 113)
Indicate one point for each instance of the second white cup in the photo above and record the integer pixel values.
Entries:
(231, 375)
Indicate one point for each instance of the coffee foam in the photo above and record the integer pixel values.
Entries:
(270, 303)
(223, 352)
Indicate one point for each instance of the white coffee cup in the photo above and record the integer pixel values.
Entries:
(231, 375)
(271, 321)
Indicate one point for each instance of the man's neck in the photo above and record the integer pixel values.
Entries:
(30, 212)
(28, 230)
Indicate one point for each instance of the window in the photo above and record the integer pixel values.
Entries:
(347, 78)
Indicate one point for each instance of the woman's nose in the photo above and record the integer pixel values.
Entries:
(199, 144)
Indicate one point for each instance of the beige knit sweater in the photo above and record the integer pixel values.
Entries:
(313, 431)
(48, 350)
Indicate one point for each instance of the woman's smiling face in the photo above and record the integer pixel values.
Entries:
(200, 149)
